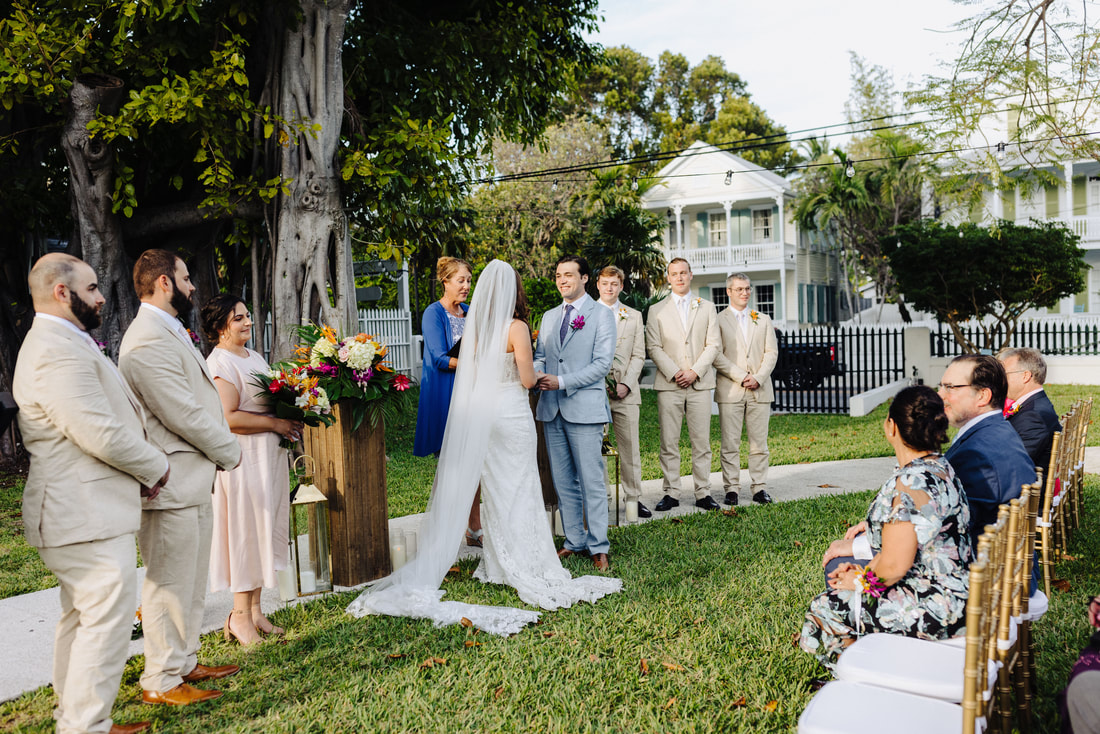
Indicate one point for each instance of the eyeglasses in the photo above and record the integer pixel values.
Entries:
(945, 386)
(741, 290)
(1015, 372)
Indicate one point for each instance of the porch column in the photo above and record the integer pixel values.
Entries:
(997, 205)
(1065, 198)
(678, 210)
(779, 226)
(728, 206)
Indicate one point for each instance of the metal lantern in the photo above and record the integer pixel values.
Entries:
(309, 534)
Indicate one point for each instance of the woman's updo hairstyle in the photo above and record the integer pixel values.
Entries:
(447, 267)
(917, 411)
(215, 315)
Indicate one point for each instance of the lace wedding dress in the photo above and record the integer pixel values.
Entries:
(490, 437)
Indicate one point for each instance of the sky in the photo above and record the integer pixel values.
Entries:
(793, 54)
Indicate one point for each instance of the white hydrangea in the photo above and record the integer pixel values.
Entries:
(360, 355)
(321, 349)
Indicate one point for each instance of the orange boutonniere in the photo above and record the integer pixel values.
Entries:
(754, 315)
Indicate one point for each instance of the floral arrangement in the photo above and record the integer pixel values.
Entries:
(352, 369)
(294, 394)
(1011, 408)
(868, 583)
(195, 339)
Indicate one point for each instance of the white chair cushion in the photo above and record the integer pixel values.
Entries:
(842, 707)
(959, 642)
(1037, 606)
(924, 667)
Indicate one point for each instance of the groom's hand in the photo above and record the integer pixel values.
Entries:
(686, 378)
(548, 382)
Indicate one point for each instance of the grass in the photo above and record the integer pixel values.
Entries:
(709, 605)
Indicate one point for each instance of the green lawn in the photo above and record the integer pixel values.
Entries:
(710, 604)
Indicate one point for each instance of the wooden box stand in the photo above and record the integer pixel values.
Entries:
(351, 471)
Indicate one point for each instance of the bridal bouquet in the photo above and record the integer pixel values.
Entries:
(292, 393)
(352, 369)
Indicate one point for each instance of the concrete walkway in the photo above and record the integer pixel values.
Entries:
(29, 620)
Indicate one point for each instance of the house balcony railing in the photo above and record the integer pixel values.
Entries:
(1086, 227)
(760, 256)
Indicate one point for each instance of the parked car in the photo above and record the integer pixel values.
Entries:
(804, 365)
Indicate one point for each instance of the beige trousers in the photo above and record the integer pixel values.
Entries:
(754, 416)
(672, 407)
(624, 420)
(175, 545)
(98, 594)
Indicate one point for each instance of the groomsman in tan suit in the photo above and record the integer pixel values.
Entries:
(90, 464)
(744, 391)
(169, 376)
(626, 370)
(682, 338)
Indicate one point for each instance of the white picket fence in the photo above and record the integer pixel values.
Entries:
(392, 327)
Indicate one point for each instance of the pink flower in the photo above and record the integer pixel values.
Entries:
(400, 383)
(578, 323)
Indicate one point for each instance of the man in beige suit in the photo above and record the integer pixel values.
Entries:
(626, 370)
(90, 464)
(744, 391)
(682, 338)
(169, 376)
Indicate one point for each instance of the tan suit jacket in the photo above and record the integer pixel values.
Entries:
(184, 411)
(629, 353)
(85, 432)
(672, 349)
(738, 358)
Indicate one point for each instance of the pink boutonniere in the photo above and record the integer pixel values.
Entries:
(577, 324)
(103, 348)
(1011, 408)
(754, 315)
(194, 339)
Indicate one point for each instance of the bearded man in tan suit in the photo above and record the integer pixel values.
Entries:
(682, 338)
(744, 391)
(90, 464)
(169, 376)
(626, 370)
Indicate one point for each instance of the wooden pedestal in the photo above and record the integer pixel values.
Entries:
(351, 471)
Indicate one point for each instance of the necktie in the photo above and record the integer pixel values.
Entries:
(684, 312)
(565, 323)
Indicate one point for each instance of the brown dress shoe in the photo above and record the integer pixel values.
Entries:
(181, 695)
(565, 553)
(601, 562)
(203, 672)
(130, 728)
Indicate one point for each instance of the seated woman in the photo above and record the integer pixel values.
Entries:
(917, 582)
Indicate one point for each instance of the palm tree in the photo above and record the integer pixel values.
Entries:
(626, 235)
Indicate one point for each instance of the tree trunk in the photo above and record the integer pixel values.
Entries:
(97, 234)
(313, 273)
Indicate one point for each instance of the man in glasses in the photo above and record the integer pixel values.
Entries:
(987, 454)
(1028, 409)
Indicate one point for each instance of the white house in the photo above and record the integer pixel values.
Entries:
(726, 215)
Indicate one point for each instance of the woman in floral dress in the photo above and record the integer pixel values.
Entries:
(917, 530)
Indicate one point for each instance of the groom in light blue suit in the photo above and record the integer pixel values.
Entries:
(575, 348)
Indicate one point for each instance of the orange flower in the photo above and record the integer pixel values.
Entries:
(362, 338)
(329, 333)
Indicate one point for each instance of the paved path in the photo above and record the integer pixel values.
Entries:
(29, 620)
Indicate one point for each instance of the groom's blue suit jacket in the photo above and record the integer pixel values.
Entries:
(993, 466)
(584, 359)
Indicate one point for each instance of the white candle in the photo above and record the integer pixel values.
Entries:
(632, 511)
(303, 550)
(558, 528)
(287, 588)
(309, 582)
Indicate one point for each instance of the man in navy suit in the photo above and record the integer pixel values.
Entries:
(987, 455)
(1028, 409)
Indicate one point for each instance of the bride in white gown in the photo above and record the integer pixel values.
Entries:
(490, 438)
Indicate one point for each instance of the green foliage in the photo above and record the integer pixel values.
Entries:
(648, 108)
(630, 237)
(542, 295)
(989, 274)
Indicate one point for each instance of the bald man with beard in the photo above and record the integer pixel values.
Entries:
(90, 466)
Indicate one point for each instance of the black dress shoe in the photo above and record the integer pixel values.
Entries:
(707, 503)
(666, 504)
(644, 511)
(731, 498)
(762, 498)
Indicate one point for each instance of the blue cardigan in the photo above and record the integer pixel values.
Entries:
(436, 381)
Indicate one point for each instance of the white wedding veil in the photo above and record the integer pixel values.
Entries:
(413, 590)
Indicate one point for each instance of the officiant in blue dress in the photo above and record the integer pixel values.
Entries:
(442, 326)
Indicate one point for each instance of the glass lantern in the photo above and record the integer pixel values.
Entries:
(309, 533)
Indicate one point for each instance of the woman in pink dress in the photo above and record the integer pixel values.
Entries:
(251, 502)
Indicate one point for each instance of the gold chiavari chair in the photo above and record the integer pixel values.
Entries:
(1032, 608)
(1014, 593)
(1084, 410)
(1045, 517)
(1064, 500)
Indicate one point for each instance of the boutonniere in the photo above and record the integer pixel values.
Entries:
(695, 304)
(1011, 408)
(195, 339)
(577, 324)
(103, 348)
(622, 313)
(754, 315)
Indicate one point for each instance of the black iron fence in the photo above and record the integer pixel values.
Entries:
(821, 367)
(1049, 337)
